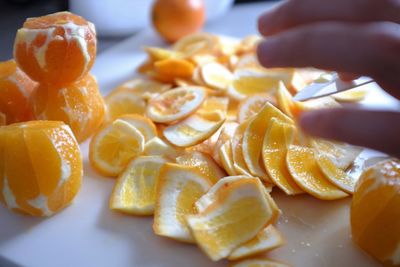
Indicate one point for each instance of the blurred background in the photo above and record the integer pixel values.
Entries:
(126, 20)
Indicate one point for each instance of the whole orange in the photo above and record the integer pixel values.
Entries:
(174, 19)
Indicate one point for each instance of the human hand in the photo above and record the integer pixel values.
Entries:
(353, 37)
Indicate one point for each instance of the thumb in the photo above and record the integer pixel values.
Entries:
(379, 130)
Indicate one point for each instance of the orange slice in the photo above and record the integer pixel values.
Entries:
(144, 88)
(241, 210)
(237, 153)
(204, 163)
(213, 104)
(193, 130)
(252, 105)
(341, 154)
(336, 175)
(226, 158)
(375, 213)
(113, 147)
(227, 132)
(157, 53)
(284, 99)
(175, 104)
(250, 82)
(158, 147)
(304, 169)
(175, 68)
(198, 43)
(178, 188)
(134, 190)
(276, 141)
(268, 239)
(254, 137)
(258, 262)
(145, 126)
(216, 76)
(207, 146)
(354, 95)
(122, 102)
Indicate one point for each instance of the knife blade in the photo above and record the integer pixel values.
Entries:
(329, 84)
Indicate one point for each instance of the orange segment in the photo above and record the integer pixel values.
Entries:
(254, 137)
(239, 212)
(178, 188)
(227, 132)
(216, 76)
(193, 130)
(175, 68)
(204, 163)
(237, 152)
(336, 175)
(276, 141)
(375, 213)
(252, 105)
(124, 101)
(267, 239)
(354, 95)
(158, 147)
(226, 158)
(15, 90)
(145, 126)
(59, 48)
(198, 43)
(304, 169)
(41, 167)
(284, 99)
(134, 191)
(80, 105)
(175, 104)
(114, 146)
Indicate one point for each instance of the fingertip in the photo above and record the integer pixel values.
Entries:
(308, 121)
(266, 52)
(263, 23)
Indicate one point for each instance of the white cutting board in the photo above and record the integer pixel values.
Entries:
(89, 234)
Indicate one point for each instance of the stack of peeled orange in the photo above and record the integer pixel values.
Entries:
(49, 80)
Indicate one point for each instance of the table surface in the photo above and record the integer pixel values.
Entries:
(106, 238)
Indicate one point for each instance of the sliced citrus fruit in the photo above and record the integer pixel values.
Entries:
(158, 53)
(249, 82)
(144, 88)
(59, 48)
(143, 124)
(375, 213)
(198, 43)
(241, 210)
(204, 163)
(226, 158)
(123, 101)
(196, 77)
(276, 141)
(267, 239)
(207, 146)
(227, 132)
(284, 99)
(40, 167)
(249, 44)
(158, 147)
(178, 188)
(216, 76)
(201, 59)
(15, 91)
(252, 105)
(213, 104)
(175, 104)
(193, 130)
(336, 175)
(134, 190)
(237, 153)
(341, 154)
(173, 67)
(354, 95)
(254, 137)
(258, 262)
(304, 169)
(114, 146)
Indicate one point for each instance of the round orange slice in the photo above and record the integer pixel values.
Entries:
(303, 167)
(175, 104)
(178, 188)
(123, 101)
(216, 76)
(114, 146)
(145, 126)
